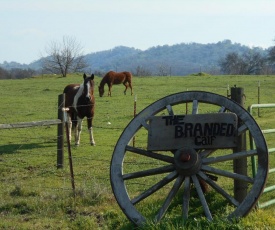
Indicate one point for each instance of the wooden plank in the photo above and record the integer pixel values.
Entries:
(217, 130)
(30, 124)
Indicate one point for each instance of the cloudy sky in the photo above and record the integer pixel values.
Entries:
(28, 26)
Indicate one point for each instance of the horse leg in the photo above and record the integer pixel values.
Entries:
(90, 129)
(92, 141)
(78, 129)
(126, 87)
(110, 89)
(130, 85)
(69, 122)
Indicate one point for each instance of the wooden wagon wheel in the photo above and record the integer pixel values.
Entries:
(177, 152)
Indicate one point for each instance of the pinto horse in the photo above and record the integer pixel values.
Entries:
(114, 78)
(80, 101)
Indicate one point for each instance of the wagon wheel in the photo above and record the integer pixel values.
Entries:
(154, 181)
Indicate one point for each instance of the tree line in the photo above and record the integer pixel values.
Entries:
(17, 73)
(181, 59)
(248, 63)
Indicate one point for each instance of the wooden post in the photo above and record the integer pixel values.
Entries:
(135, 112)
(60, 132)
(70, 157)
(65, 122)
(240, 165)
(186, 106)
(259, 87)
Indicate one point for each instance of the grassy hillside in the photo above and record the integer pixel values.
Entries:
(36, 195)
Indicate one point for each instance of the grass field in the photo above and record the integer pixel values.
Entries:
(36, 195)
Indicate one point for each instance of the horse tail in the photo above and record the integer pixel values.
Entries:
(128, 76)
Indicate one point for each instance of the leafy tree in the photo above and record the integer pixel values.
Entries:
(249, 63)
(271, 57)
(231, 64)
(16, 73)
(4, 74)
(253, 63)
(271, 54)
(64, 57)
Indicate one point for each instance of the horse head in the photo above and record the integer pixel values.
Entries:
(88, 84)
(101, 90)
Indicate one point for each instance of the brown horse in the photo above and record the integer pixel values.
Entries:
(80, 101)
(113, 78)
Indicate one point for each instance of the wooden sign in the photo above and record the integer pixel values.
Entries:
(198, 131)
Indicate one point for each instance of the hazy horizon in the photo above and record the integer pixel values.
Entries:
(28, 26)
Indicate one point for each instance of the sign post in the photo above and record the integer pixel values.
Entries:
(240, 165)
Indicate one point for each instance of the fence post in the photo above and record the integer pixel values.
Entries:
(239, 165)
(135, 113)
(60, 132)
(259, 87)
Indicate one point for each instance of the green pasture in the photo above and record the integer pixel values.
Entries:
(34, 194)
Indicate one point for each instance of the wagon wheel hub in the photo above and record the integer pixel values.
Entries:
(187, 161)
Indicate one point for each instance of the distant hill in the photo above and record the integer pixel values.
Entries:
(13, 65)
(36, 65)
(179, 59)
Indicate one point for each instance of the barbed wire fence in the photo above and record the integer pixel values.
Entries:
(29, 158)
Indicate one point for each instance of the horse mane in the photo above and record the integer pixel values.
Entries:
(104, 80)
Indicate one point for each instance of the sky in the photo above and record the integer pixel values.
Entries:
(27, 27)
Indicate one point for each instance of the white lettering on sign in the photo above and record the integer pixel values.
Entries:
(200, 131)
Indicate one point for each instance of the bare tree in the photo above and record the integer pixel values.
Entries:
(163, 70)
(141, 71)
(64, 57)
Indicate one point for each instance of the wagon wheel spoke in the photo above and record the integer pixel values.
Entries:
(186, 198)
(202, 198)
(155, 187)
(145, 125)
(169, 198)
(195, 107)
(207, 152)
(150, 154)
(229, 157)
(219, 189)
(149, 172)
(243, 128)
(170, 110)
(227, 174)
(222, 109)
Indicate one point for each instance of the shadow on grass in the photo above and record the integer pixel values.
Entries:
(17, 148)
